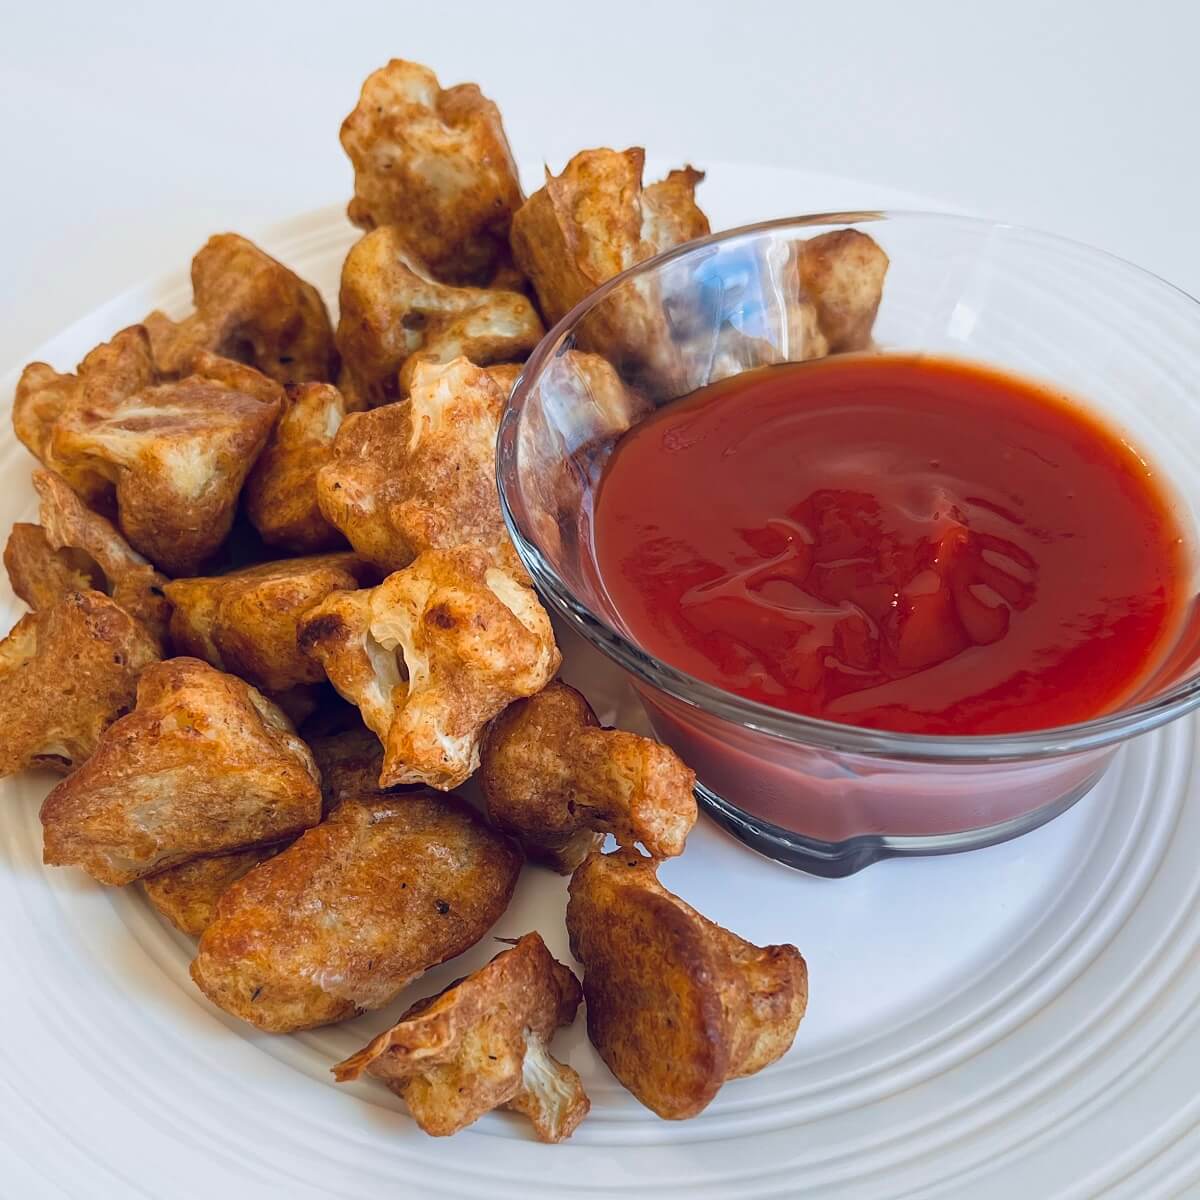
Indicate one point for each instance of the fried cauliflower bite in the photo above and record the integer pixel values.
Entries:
(42, 396)
(80, 537)
(249, 308)
(187, 895)
(354, 910)
(41, 575)
(246, 621)
(558, 782)
(350, 762)
(505, 376)
(436, 163)
(171, 455)
(394, 316)
(421, 474)
(430, 656)
(480, 1044)
(204, 764)
(67, 672)
(676, 1005)
(594, 221)
(842, 274)
(281, 489)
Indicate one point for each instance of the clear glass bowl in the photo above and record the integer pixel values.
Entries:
(827, 797)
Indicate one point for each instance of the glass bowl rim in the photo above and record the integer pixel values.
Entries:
(810, 732)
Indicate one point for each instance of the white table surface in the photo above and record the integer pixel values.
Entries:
(131, 131)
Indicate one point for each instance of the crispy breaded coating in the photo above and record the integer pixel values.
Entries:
(281, 489)
(676, 1005)
(246, 621)
(187, 895)
(480, 1044)
(430, 656)
(594, 221)
(842, 273)
(203, 764)
(41, 575)
(172, 455)
(77, 534)
(559, 782)
(252, 309)
(67, 672)
(436, 163)
(354, 910)
(350, 762)
(421, 474)
(395, 316)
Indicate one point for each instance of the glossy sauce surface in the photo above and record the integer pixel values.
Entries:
(906, 543)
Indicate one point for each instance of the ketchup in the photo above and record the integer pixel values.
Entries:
(900, 542)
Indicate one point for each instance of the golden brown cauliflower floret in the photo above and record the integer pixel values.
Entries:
(676, 1005)
(842, 274)
(421, 474)
(73, 543)
(556, 780)
(480, 1044)
(41, 575)
(246, 621)
(594, 221)
(436, 163)
(67, 672)
(249, 308)
(172, 455)
(281, 490)
(187, 895)
(41, 397)
(354, 910)
(430, 656)
(394, 316)
(204, 764)
(350, 762)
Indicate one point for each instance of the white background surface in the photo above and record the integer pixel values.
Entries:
(131, 131)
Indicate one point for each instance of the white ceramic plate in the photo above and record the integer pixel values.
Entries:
(1020, 1020)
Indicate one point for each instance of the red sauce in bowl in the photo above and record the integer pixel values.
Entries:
(900, 542)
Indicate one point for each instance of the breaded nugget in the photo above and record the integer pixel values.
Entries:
(204, 764)
(556, 780)
(436, 163)
(430, 656)
(246, 621)
(842, 273)
(594, 221)
(354, 910)
(79, 535)
(421, 474)
(480, 1044)
(676, 1005)
(394, 316)
(171, 455)
(187, 895)
(281, 489)
(252, 309)
(66, 673)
